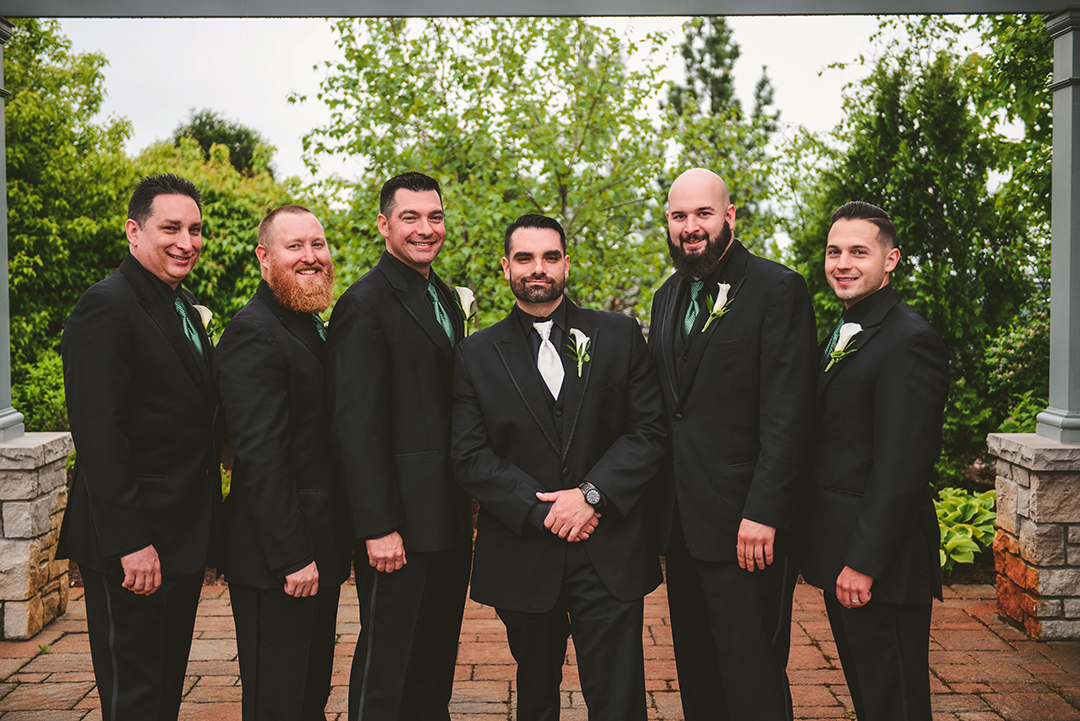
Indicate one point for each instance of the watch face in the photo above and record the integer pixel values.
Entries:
(592, 496)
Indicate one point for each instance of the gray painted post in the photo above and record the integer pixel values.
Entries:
(11, 421)
(1061, 420)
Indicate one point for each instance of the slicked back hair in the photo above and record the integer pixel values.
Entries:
(267, 224)
(141, 205)
(533, 220)
(416, 182)
(861, 210)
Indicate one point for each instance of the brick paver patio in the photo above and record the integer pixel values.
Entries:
(982, 669)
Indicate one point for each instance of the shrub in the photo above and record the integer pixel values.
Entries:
(966, 521)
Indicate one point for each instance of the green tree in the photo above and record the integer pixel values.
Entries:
(710, 129)
(512, 116)
(913, 145)
(249, 152)
(67, 184)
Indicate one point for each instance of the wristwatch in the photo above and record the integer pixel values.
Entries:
(592, 494)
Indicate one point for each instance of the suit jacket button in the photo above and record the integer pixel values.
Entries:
(558, 413)
(678, 416)
(566, 471)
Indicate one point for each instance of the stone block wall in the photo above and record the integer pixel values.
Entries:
(1037, 548)
(33, 496)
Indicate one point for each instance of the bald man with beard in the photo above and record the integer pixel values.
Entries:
(287, 538)
(733, 342)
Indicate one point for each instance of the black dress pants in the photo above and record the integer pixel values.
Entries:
(607, 641)
(410, 624)
(139, 645)
(731, 630)
(884, 650)
(286, 650)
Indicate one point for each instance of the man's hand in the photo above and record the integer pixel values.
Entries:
(570, 517)
(853, 588)
(142, 571)
(387, 553)
(755, 546)
(304, 582)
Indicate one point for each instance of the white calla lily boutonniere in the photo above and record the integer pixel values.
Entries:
(206, 317)
(720, 305)
(579, 349)
(466, 304)
(841, 351)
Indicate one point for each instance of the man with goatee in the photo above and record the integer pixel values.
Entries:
(286, 538)
(733, 341)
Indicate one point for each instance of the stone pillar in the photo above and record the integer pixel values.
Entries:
(1037, 549)
(33, 496)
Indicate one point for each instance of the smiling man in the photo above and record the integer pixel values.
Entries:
(287, 543)
(872, 533)
(733, 343)
(389, 371)
(141, 402)
(558, 431)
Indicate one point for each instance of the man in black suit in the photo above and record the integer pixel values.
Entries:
(287, 543)
(872, 533)
(389, 371)
(732, 338)
(141, 402)
(558, 432)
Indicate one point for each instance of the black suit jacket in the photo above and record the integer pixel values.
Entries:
(739, 402)
(286, 507)
(877, 434)
(506, 449)
(141, 403)
(389, 371)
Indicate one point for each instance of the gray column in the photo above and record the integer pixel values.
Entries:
(11, 421)
(1061, 421)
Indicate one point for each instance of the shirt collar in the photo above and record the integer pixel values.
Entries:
(416, 281)
(858, 312)
(161, 288)
(526, 321)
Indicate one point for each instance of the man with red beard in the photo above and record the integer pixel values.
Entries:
(733, 341)
(286, 537)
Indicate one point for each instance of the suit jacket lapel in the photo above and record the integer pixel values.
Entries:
(574, 388)
(515, 351)
(418, 306)
(870, 326)
(164, 316)
(732, 274)
(666, 338)
(289, 320)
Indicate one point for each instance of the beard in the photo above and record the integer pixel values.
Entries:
(700, 265)
(537, 294)
(312, 297)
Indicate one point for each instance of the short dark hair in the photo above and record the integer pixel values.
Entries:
(534, 220)
(861, 210)
(416, 182)
(266, 223)
(141, 205)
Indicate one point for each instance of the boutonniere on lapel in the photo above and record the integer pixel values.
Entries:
(466, 304)
(720, 305)
(206, 317)
(841, 351)
(579, 349)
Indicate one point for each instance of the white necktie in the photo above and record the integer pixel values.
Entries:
(547, 361)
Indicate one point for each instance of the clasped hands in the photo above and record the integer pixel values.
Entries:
(570, 516)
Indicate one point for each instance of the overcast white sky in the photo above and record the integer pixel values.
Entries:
(161, 69)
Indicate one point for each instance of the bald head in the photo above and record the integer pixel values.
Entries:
(703, 184)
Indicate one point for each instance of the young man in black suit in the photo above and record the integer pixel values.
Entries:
(872, 534)
(732, 338)
(389, 370)
(141, 402)
(557, 433)
(287, 544)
